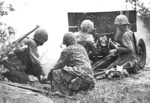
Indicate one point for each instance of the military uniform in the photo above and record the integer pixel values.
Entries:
(87, 41)
(126, 49)
(23, 60)
(33, 64)
(73, 71)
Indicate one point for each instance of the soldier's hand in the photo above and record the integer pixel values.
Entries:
(21, 48)
(43, 79)
(113, 51)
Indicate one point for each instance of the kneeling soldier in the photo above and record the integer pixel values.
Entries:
(24, 60)
(73, 71)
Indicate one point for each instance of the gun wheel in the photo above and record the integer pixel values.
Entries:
(142, 53)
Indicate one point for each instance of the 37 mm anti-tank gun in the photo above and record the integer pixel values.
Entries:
(104, 36)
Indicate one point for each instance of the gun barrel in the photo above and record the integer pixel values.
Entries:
(103, 34)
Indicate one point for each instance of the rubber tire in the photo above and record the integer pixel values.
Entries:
(142, 53)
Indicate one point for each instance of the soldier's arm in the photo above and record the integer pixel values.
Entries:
(127, 44)
(62, 61)
(34, 57)
(92, 45)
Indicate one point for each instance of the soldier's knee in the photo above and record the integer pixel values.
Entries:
(17, 76)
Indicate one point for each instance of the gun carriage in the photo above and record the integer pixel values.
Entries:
(104, 33)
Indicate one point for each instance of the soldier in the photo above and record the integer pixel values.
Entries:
(85, 38)
(73, 71)
(24, 60)
(125, 38)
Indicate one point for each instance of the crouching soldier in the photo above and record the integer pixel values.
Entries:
(24, 60)
(73, 71)
(84, 37)
(127, 49)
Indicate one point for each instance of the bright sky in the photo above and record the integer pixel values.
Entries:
(53, 17)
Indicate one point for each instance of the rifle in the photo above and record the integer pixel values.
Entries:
(36, 90)
(7, 48)
(24, 36)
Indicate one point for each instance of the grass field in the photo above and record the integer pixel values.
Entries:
(133, 89)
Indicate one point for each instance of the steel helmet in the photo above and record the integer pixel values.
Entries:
(41, 35)
(121, 20)
(87, 26)
(69, 39)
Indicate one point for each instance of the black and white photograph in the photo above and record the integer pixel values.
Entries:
(74, 51)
